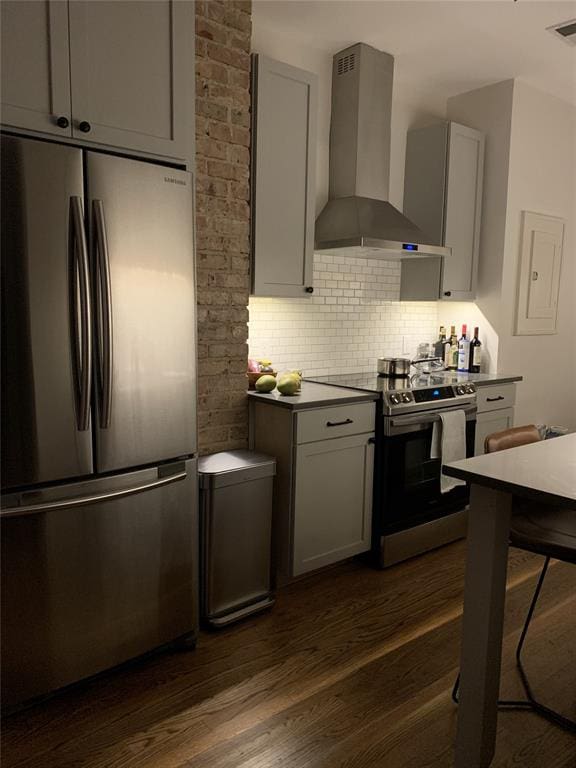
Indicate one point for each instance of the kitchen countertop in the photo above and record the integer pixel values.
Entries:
(314, 396)
(482, 379)
(371, 382)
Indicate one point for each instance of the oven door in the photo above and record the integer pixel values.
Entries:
(410, 490)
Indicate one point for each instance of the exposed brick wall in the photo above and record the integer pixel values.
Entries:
(223, 30)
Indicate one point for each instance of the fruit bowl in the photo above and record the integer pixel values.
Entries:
(253, 377)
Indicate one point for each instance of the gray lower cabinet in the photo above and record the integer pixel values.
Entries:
(118, 74)
(323, 485)
(284, 106)
(495, 412)
(332, 501)
(443, 196)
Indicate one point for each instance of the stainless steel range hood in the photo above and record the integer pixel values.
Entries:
(358, 220)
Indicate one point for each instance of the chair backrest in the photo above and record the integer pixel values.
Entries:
(511, 438)
(536, 527)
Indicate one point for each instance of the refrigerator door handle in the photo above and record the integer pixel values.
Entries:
(80, 501)
(104, 323)
(82, 325)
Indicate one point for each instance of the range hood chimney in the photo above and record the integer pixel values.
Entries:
(358, 220)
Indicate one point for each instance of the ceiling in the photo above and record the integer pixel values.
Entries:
(449, 46)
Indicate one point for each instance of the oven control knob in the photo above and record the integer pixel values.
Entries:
(406, 397)
(471, 389)
(460, 390)
(394, 398)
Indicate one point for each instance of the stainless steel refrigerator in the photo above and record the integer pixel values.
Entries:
(99, 488)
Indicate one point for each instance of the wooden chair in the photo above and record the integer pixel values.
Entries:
(547, 531)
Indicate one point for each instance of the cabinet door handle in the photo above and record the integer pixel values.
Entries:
(339, 423)
(309, 289)
(84, 126)
(447, 293)
(62, 122)
(494, 399)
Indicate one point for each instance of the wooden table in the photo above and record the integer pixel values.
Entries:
(544, 471)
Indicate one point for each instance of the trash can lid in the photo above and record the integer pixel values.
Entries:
(230, 467)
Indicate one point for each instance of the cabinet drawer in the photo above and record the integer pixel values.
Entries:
(495, 397)
(335, 421)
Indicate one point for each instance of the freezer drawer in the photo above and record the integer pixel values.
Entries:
(86, 586)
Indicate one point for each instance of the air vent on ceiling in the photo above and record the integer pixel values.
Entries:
(346, 63)
(566, 31)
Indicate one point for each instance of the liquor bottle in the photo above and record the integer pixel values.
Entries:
(451, 351)
(454, 350)
(463, 352)
(475, 353)
(439, 345)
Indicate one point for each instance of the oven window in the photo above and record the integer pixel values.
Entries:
(417, 468)
(410, 491)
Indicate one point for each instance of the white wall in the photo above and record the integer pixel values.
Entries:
(529, 165)
(542, 179)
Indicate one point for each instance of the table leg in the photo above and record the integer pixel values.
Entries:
(484, 596)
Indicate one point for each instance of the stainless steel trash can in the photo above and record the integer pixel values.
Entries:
(236, 534)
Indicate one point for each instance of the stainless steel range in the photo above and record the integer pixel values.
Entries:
(411, 515)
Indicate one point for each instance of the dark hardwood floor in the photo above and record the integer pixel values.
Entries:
(351, 669)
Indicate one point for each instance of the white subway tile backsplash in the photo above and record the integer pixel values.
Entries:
(353, 318)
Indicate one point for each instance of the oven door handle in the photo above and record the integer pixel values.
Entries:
(430, 418)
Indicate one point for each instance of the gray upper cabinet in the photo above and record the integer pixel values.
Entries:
(119, 72)
(129, 61)
(284, 106)
(35, 66)
(443, 196)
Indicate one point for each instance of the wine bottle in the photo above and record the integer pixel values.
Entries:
(451, 351)
(463, 352)
(439, 345)
(475, 353)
